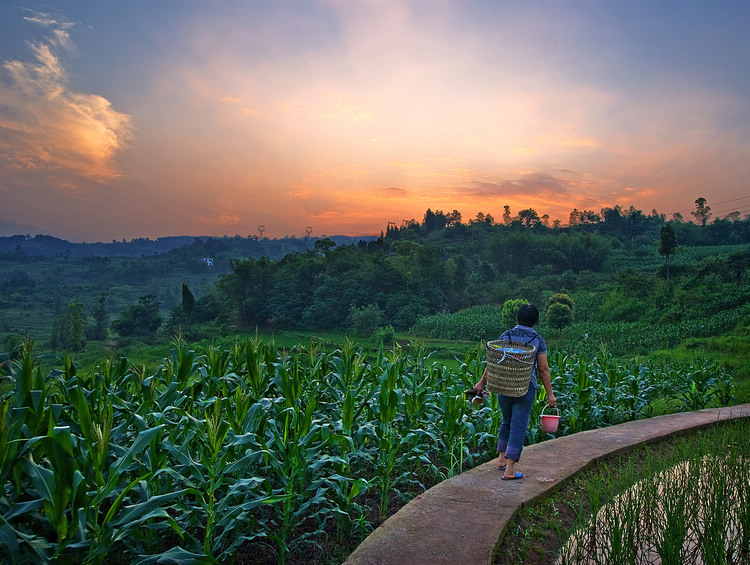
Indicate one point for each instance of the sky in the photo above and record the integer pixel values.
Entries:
(153, 118)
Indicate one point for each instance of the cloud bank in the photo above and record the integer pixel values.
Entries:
(51, 129)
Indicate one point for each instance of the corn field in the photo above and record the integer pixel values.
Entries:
(264, 455)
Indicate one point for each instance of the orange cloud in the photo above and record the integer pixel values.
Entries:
(392, 192)
(45, 125)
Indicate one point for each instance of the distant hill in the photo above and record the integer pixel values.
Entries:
(49, 246)
(40, 275)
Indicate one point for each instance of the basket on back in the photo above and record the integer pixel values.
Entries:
(509, 366)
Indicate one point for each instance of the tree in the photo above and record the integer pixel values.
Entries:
(509, 313)
(19, 281)
(324, 245)
(733, 216)
(702, 212)
(575, 217)
(140, 319)
(482, 218)
(479, 218)
(101, 319)
(738, 262)
(561, 298)
(429, 223)
(613, 218)
(453, 219)
(667, 244)
(248, 288)
(559, 311)
(366, 320)
(14, 344)
(589, 217)
(385, 335)
(69, 329)
(188, 300)
(182, 317)
(507, 219)
(657, 218)
(433, 221)
(529, 217)
(441, 220)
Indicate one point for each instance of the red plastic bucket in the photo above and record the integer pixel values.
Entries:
(550, 421)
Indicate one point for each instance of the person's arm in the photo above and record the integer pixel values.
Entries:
(479, 387)
(542, 366)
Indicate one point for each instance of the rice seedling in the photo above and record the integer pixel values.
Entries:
(690, 511)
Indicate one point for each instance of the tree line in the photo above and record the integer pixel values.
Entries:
(442, 264)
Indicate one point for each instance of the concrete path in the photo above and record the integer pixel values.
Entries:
(460, 520)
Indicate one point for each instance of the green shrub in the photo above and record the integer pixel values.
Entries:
(385, 335)
(366, 320)
(510, 309)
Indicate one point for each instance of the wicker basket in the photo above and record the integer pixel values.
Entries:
(509, 366)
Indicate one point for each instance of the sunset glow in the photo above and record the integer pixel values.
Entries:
(149, 119)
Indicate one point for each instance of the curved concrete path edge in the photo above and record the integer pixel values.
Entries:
(461, 520)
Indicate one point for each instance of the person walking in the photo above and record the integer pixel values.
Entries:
(517, 410)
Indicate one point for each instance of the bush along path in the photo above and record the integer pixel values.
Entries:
(264, 453)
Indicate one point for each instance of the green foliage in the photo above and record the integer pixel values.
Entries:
(12, 343)
(233, 465)
(417, 270)
(561, 298)
(559, 311)
(385, 336)
(18, 281)
(188, 300)
(693, 338)
(702, 212)
(69, 330)
(667, 241)
(142, 319)
(692, 494)
(254, 444)
(366, 320)
(99, 330)
(601, 390)
(214, 456)
(559, 315)
(247, 288)
(510, 309)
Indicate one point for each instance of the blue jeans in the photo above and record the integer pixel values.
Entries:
(516, 412)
